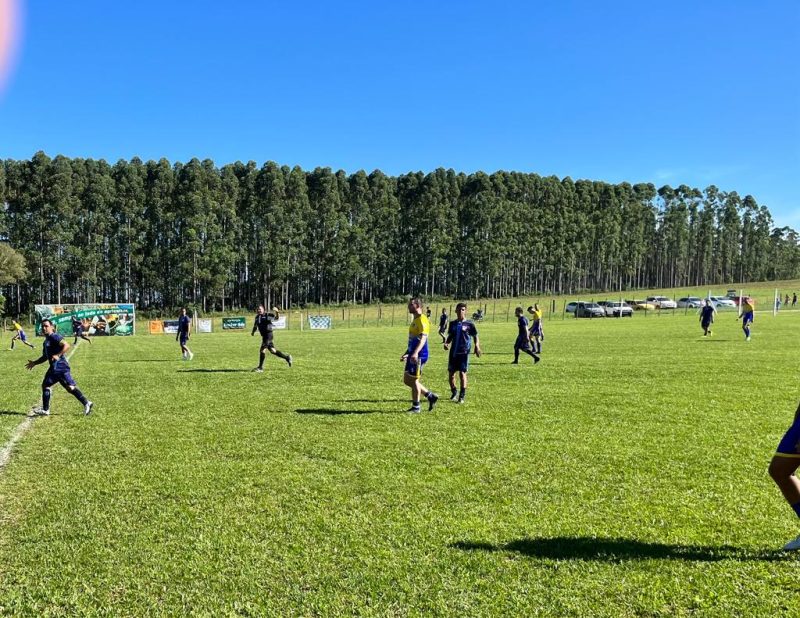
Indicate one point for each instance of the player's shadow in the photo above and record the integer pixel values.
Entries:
(620, 549)
(12, 413)
(215, 370)
(147, 360)
(336, 412)
(371, 400)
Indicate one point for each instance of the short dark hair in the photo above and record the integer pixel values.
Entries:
(530, 308)
(461, 306)
(416, 301)
(48, 320)
(518, 310)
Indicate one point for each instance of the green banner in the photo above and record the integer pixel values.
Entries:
(98, 320)
(233, 323)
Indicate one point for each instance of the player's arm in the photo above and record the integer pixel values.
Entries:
(32, 363)
(449, 339)
(277, 313)
(64, 348)
(477, 345)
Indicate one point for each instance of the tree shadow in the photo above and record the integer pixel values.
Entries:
(335, 412)
(12, 413)
(619, 550)
(215, 370)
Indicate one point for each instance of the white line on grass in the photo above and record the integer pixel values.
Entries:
(22, 428)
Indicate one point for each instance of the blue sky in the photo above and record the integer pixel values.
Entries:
(677, 92)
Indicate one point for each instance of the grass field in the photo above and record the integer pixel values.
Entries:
(625, 475)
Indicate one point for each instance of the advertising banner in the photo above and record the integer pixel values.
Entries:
(171, 327)
(233, 323)
(280, 323)
(319, 322)
(156, 327)
(203, 325)
(98, 320)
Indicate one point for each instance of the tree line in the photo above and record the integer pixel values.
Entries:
(164, 234)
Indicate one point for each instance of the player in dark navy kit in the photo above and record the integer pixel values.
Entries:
(443, 325)
(460, 336)
(523, 342)
(77, 330)
(263, 324)
(53, 350)
(782, 469)
(707, 314)
(184, 326)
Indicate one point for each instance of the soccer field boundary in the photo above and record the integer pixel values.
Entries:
(23, 428)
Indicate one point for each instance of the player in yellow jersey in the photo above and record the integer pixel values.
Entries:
(416, 356)
(20, 335)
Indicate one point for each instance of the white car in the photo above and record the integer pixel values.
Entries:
(692, 302)
(662, 302)
(616, 308)
(722, 302)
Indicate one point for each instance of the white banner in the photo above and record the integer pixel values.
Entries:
(203, 325)
(280, 323)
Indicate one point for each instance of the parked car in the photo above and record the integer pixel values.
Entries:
(571, 306)
(589, 310)
(722, 302)
(662, 302)
(641, 305)
(691, 302)
(616, 308)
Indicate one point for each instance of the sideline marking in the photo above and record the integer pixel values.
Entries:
(22, 428)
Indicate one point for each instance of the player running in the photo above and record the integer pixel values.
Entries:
(53, 350)
(184, 326)
(20, 335)
(748, 307)
(460, 335)
(443, 324)
(707, 314)
(782, 468)
(416, 356)
(263, 324)
(77, 330)
(523, 338)
(536, 333)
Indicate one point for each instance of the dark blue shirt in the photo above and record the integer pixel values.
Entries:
(706, 313)
(442, 320)
(263, 323)
(52, 347)
(183, 324)
(460, 334)
(522, 323)
(76, 323)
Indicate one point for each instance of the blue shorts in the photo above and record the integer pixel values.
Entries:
(78, 331)
(22, 336)
(64, 378)
(747, 317)
(536, 330)
(523, 343)
(789, 445)
(458, 362)
(183, 338)
(415, 369)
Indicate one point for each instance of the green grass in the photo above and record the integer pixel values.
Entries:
(625, 475)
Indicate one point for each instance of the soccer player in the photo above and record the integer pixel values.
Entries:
(416, 356)
(77, 330)
(523, 338)
(20, 335)
(782, 468)
(536, 331)
(460, 335)
(707, 314)
(53, 351)
(184, 326)
(748, 306)
(443, 324)
(263, 324)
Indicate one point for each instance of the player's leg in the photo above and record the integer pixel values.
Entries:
(262, 354)
(452, 379)
(782, 470)
(275, 352)
(13, 339)
(69, 384)
(462, 395)
(410, 380)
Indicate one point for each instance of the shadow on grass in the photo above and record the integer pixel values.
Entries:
(215, 370)
(618, 550)
(372, 400)
(335, 412)
(148, 360)
(12, 413)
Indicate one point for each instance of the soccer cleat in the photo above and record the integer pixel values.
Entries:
(748, 339)
(454, 397)
(536, 359)
(41, 412)
(289, 360)
(413, 410)
(460, 400)
(191, 355)
(792, 545)
(87, 409)
(258, 370)
(432, 399)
